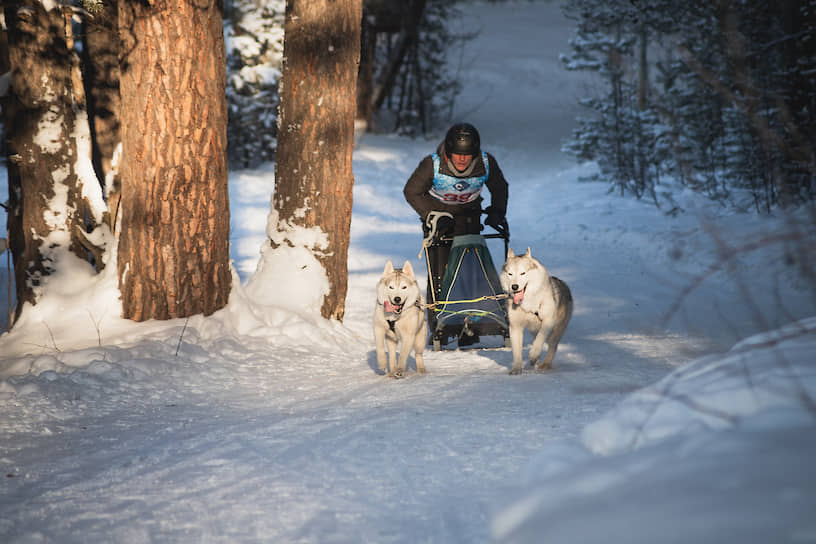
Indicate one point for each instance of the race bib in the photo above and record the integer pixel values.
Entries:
(453, 190)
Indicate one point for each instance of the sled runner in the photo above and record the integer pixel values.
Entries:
(465, 299)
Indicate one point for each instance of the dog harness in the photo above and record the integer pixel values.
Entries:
(453, 190)
(391, 322)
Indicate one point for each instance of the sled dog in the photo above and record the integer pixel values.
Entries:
(538, 302)
(399, 317)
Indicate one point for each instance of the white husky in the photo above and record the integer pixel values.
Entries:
(538, 302)
(399, 317)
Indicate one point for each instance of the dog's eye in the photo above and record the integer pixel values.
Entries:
(404, 287)
(523, 273)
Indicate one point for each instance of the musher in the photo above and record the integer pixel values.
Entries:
(445, 190)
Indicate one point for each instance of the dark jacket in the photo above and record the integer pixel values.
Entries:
(417, 187)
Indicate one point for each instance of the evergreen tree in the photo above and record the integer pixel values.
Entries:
(729, 111)
(603, 43)
(254, 43)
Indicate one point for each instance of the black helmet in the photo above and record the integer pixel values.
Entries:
(462, 139)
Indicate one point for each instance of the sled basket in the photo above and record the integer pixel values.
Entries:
(470, 280)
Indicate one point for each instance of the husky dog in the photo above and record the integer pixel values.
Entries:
(538, 302)
(399, 317)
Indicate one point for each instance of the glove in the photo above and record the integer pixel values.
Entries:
(494, 217)
(444, 225)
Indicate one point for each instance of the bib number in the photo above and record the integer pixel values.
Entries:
(459, 198)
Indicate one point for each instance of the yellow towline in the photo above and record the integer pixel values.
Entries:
(486, 297)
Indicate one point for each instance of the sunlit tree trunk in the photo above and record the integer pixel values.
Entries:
(174, 240)
(313, 172)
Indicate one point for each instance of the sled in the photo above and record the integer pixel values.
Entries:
(465, 298)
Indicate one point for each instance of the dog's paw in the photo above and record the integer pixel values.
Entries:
(399, 373)
(515, 371)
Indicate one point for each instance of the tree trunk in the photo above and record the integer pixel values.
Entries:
(383, 86)
(13, 221)
(174, 239)
(46, 206)
(365, 76)
(313, 172)
(643, 68)
(101, 79)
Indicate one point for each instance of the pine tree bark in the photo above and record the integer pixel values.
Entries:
(174, 239)
(46, 207)
(313, 173)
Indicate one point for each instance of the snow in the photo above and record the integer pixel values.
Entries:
(86, 178)
(49, 128)
(266, 423)
(717, 451)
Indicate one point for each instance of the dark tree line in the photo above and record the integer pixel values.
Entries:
(719, 96)
(407, 79)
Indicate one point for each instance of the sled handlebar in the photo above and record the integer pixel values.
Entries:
(502, 232)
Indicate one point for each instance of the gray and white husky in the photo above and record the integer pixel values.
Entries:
(538, 302)
(399, 317)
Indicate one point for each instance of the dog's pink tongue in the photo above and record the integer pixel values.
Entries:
(389, 307)
(518, 296)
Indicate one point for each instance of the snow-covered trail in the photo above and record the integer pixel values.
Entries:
(247, 443)
(258, 442)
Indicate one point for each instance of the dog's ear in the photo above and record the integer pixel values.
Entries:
(528, 252)
(389, 267)
(407, 269)
(510, 253)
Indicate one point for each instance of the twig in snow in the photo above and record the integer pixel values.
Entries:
(96, 326)
(53, 340)
(181, 335)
